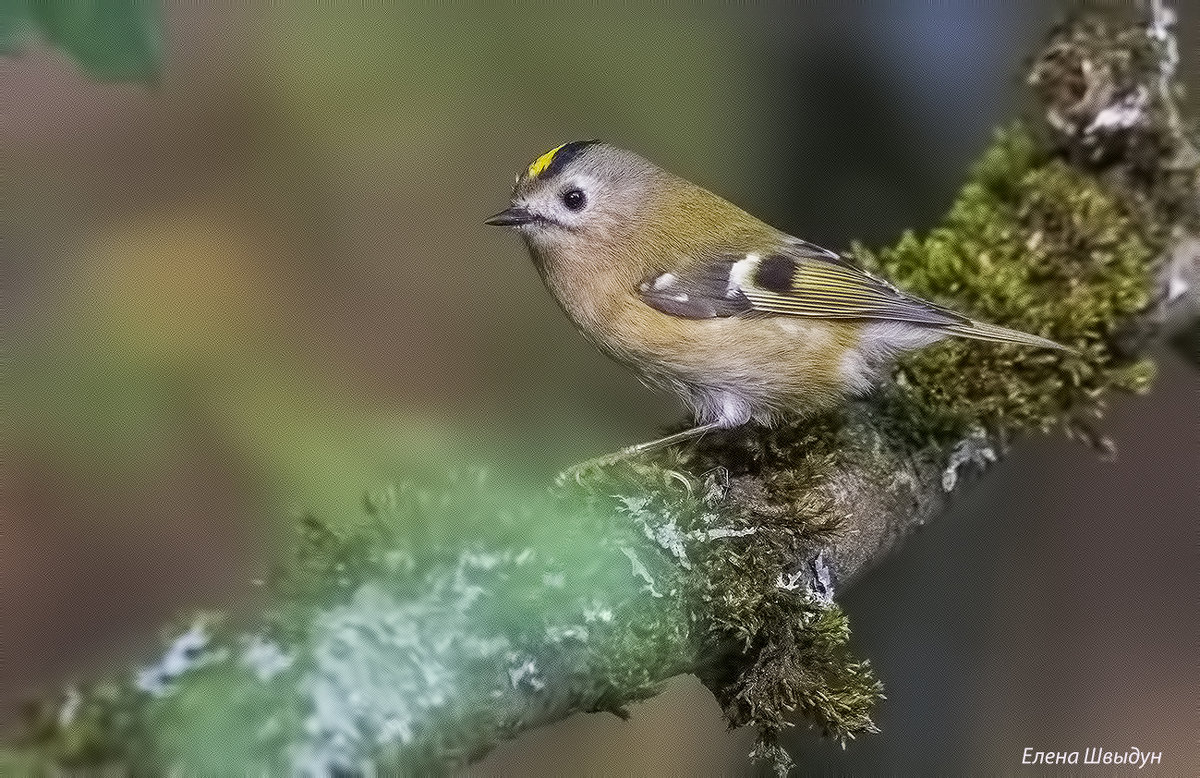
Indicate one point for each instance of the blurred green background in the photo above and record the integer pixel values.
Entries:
(262, 283)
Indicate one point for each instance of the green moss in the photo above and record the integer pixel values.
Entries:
(773, 656)
(1034, 244)
(87, 726)
(1089, 64)
(1030, 243)
(803, 666)
(791, 660)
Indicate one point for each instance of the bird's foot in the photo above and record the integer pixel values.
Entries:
(584, 471)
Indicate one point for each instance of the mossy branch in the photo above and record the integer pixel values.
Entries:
(391, 645)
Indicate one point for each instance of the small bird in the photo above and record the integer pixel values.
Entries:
(744, 322)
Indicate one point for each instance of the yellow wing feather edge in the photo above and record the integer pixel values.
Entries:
(982, 331)
(827, 289)
(822, 288)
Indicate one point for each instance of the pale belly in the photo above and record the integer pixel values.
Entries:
(731, 370)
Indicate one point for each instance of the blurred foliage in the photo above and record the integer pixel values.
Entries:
(428, 73)
(171, 325)
(176, 326)
(409, 631)
(118, 40)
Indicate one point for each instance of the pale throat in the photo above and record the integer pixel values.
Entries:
(590, 289)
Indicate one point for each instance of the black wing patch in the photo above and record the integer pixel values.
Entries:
(800, 280)
(704, 292)
(776, 274)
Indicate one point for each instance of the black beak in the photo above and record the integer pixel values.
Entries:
(513, 217)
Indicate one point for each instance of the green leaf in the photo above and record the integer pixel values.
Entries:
(112, 40)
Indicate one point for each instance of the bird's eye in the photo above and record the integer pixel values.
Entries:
(574, 199)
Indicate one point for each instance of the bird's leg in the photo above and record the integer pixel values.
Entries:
(576, 472)
(670, 440)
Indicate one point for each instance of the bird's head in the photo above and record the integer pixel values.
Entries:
(589, 205)
(582, 196)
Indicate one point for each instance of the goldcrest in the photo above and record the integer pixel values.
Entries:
(697, 296)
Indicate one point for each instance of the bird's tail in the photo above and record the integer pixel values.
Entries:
(982, 331)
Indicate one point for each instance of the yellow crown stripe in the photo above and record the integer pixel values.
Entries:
(543, 162)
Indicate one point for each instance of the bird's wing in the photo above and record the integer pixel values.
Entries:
(797, 279)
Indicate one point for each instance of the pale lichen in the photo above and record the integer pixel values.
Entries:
(379, 666)
(640, 571)
(189, 651)
(525, 673)
(264, 657)
(789, 582)
(975, 449)
(717, 533)
(821, 589)
(597, 611)
(70, 707)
